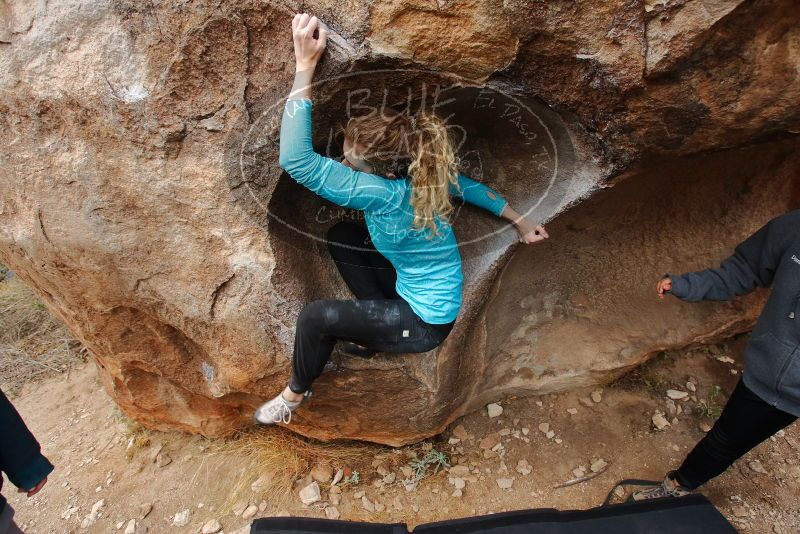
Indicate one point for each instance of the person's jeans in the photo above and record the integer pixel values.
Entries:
(7, 525)
(745, 422)
(380, 319)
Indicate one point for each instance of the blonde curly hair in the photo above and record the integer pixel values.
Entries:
(418, 146)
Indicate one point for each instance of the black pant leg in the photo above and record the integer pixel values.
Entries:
(388, 325)
(367, 273)
(384, 272)
(745, 422)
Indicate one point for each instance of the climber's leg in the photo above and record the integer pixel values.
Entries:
(367, 273)
(388, 325)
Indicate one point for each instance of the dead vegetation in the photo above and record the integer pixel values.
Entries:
(33, 344)
(272, 459)
(647, 376)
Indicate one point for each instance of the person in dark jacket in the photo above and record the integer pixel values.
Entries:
(767, 398)
(20, 459)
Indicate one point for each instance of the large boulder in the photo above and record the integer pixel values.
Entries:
(143, 202)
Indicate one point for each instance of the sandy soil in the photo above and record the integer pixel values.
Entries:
(87, 438)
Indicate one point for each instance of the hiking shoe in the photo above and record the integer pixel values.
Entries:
(352, 349)
(668, 488)
(278, 410)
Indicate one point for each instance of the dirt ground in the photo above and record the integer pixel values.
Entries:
(101, 456)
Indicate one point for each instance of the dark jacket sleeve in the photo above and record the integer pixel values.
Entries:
(20, 455)
(752, 265)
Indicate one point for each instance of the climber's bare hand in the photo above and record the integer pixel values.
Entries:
(34, 490)
(530, 232)
(310, 37)
(664, 285)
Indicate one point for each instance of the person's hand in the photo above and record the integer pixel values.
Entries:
(664, 285)
(530, 232)
(307, 48)
(34, 490)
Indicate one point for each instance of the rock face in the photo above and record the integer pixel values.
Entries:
(143, 202)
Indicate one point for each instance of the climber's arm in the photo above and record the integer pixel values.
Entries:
(487, 198)
(326, 177)
(478, 194)
(529, 231)
(753, 264)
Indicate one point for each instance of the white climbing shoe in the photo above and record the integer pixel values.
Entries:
(668, 488)
(278, 410)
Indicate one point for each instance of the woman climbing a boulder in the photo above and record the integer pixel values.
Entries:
(404, 268)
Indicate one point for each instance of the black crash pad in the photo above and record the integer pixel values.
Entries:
(692, 514)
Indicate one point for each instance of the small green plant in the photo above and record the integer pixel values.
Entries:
(654, 383)
(709, 407)
(647, 376)
(353, 480)
(434, 458)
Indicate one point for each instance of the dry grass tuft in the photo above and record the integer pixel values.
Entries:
(33, 344)
(648, 376)
(137, 437)
(282, 457)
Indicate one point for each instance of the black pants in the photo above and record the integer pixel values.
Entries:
(745, 422)
(380, 319)
(7, 524)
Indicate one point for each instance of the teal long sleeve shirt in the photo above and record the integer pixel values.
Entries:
(429, 274)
